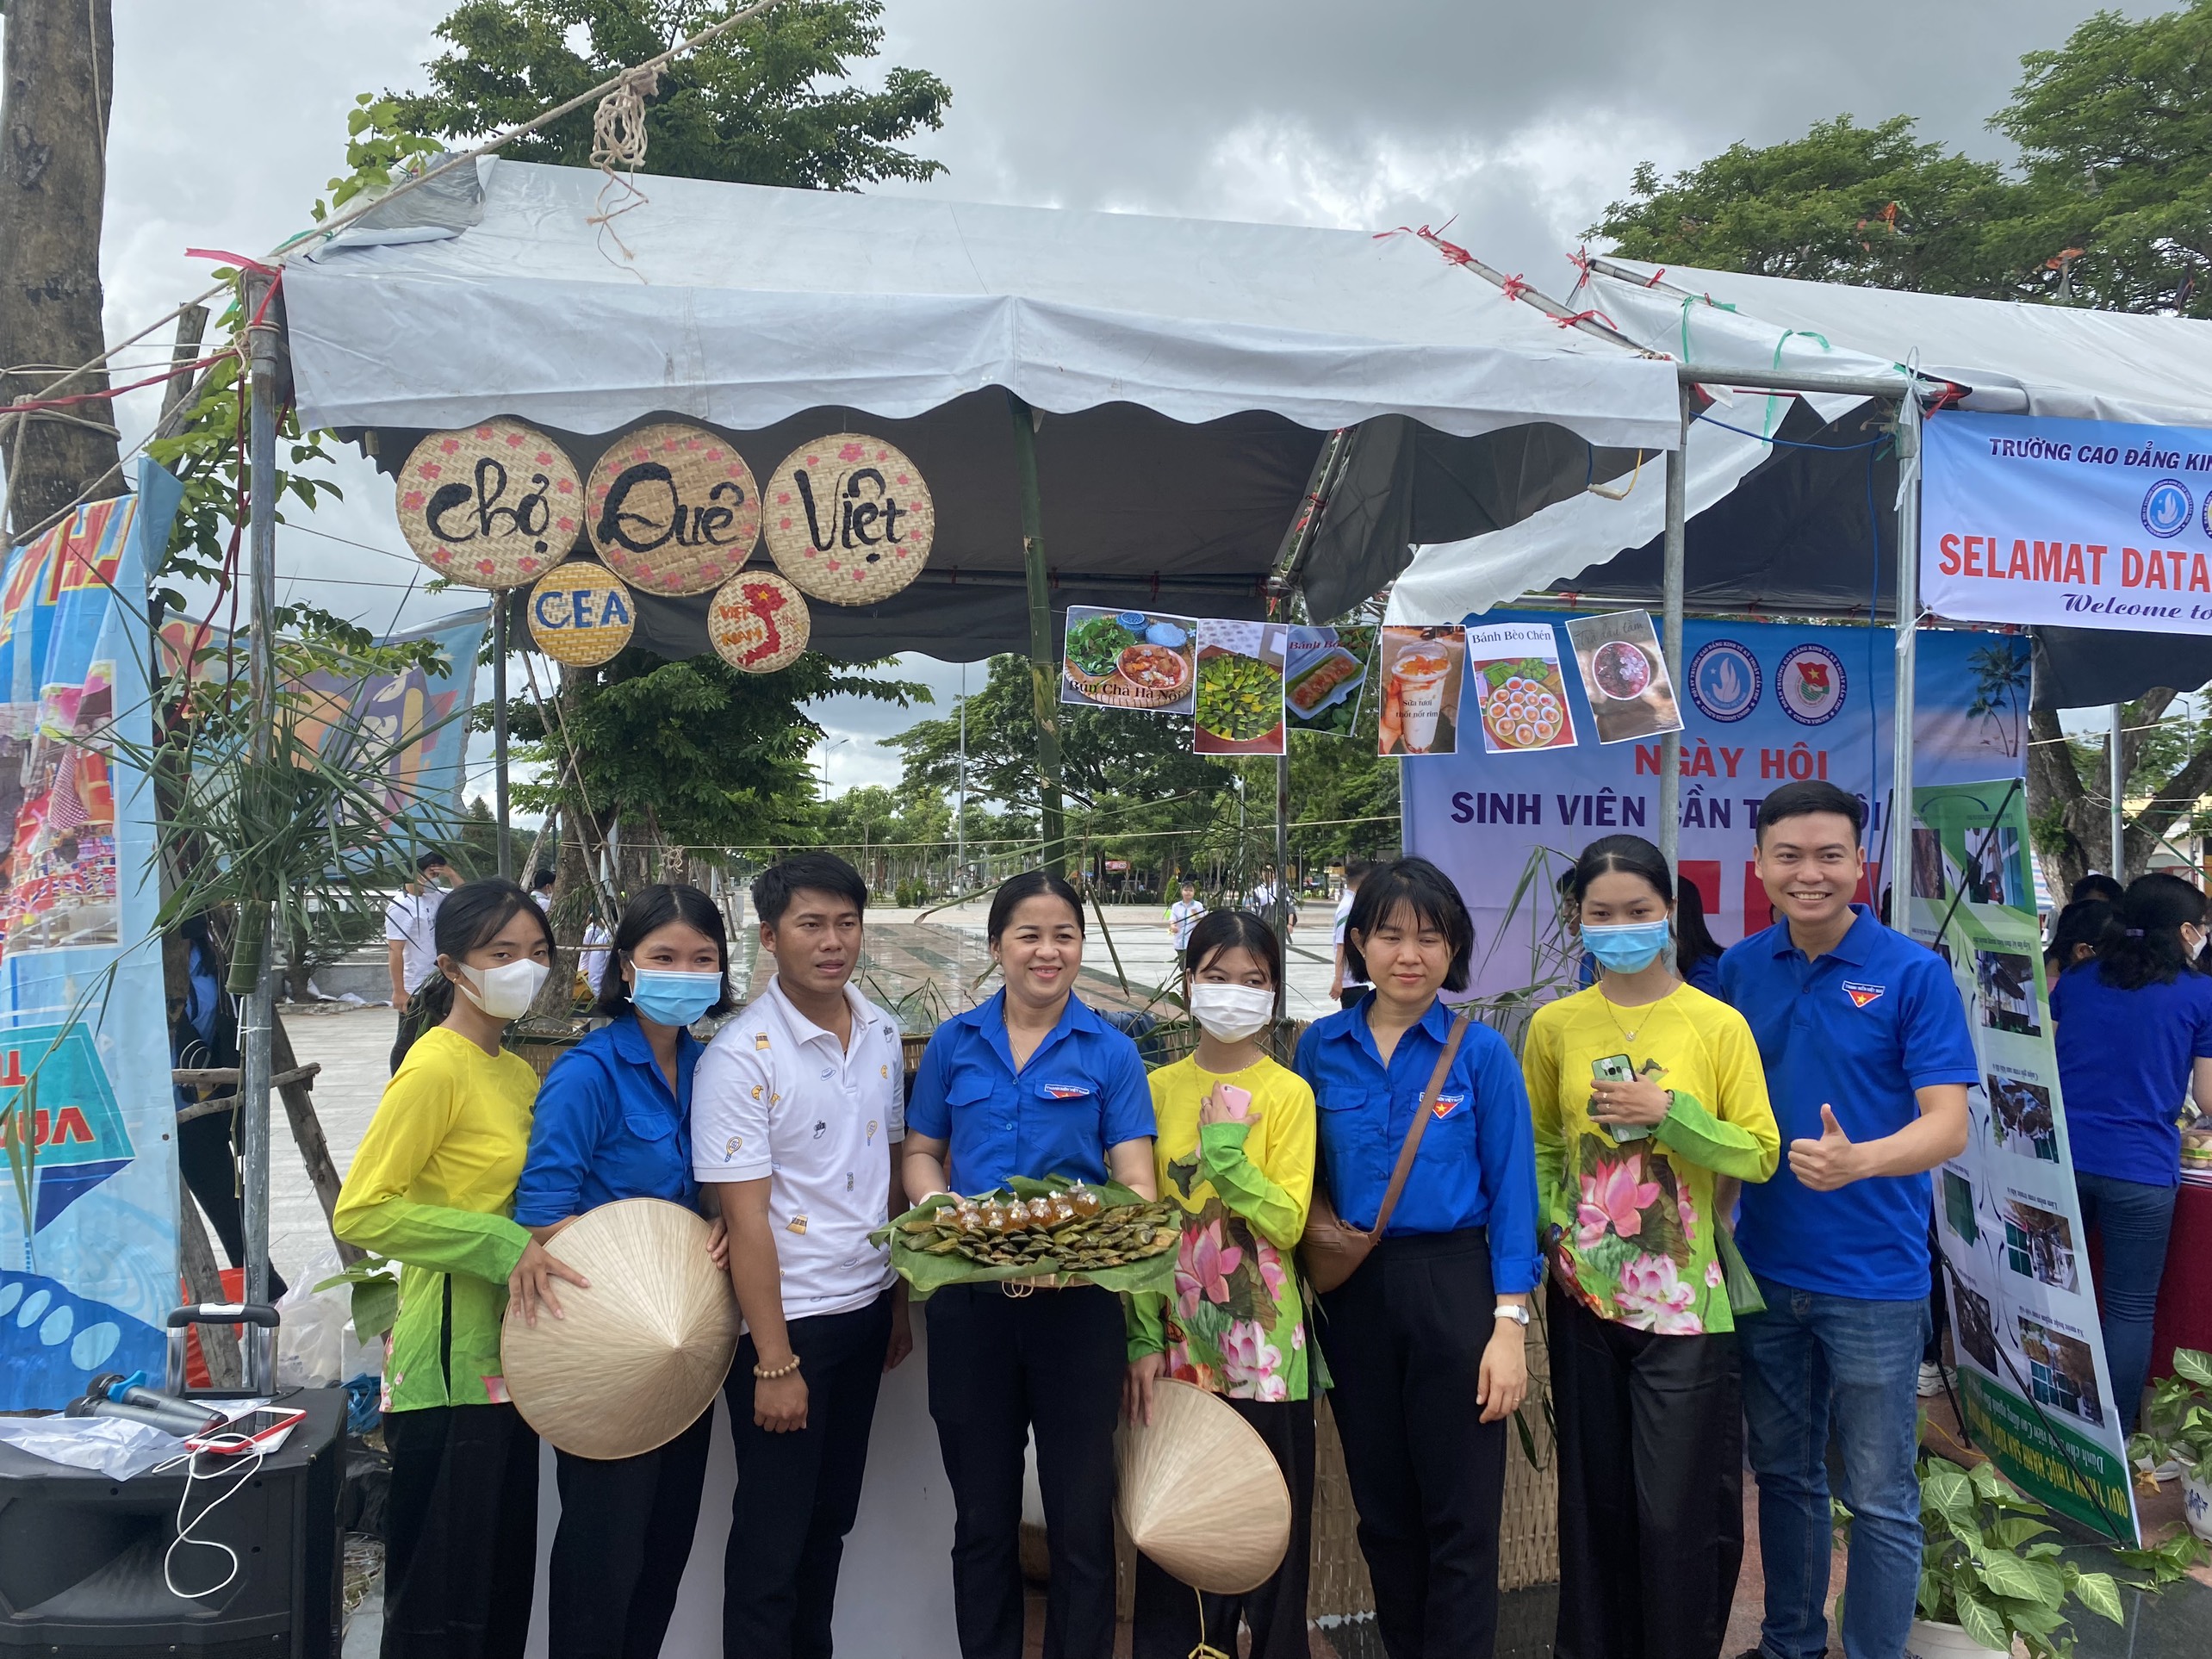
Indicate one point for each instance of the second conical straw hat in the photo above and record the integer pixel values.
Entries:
(637, 1357)
(1200, 1493)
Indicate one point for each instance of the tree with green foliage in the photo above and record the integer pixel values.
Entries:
(694, 752)
(750, 108)
(2109, 205)
(1869, 205)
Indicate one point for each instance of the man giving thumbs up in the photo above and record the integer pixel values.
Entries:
(1868, 1058)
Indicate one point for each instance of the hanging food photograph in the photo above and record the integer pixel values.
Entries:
(1422, 670)
(1128, 660)
(1514, 669)
(1325, 680)
(1239, 703)
(1624, 674)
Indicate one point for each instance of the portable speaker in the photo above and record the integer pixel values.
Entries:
(81, 1554)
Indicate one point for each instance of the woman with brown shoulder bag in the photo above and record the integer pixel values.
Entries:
(1424, 1250)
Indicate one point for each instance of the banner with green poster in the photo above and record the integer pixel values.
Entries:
(2034, 1384)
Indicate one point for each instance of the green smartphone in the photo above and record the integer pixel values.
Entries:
(1619, 1068)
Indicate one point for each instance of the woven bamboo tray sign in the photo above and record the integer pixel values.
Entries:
(581, 614)
(672, 509)
(850, 519)
(759, 622)
(496, 506)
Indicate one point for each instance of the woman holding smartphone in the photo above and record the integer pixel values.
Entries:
(1235, 1150)
(432, 1186)
(613, 1121)
(1650, 1104)
(1424, 1341)
(1030, 1084)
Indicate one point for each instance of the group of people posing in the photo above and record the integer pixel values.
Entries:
(1723, 1197)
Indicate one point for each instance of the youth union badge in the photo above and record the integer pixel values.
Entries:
(1724, 681)
(2167, 507)
(1809, 684)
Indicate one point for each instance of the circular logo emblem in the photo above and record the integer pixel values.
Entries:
(580, 613)
(1724, 681)
(2167, 507)
(1809, 684)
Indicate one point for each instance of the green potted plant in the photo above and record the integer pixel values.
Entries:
(2178, 1429)
(1989, 1576)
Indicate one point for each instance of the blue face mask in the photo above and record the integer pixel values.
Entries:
(673, 999)
(1625, 949)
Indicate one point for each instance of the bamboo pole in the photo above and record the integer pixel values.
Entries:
(1044, 665)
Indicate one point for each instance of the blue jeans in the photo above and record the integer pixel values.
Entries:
(2134, 1218)
(1806, 1357)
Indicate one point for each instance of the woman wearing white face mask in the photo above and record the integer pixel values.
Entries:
(1235, 1149)
(431, 1187)
(613, 1121)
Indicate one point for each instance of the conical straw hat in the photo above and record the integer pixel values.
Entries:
(1200, 1493)
(637, 1357)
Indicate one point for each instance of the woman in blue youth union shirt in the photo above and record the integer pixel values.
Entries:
(613, 1122)
(1433, 1321)
(2134, 1036)
(1032, 1083)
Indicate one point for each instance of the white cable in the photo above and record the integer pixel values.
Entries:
(248, 1466)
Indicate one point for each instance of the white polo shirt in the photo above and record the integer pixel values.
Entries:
(410, 922)
(774, 1095)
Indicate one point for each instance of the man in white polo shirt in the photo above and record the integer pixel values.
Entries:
(798, 1106)
(411, 942)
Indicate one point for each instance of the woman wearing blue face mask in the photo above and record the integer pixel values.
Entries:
(612, 1122)
(1650, 1105)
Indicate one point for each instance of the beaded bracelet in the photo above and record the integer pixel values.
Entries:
(784, 1369)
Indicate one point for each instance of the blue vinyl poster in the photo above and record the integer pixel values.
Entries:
(88, 1228)
(1764, 704)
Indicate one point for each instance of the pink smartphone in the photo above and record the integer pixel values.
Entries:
(1234, 1097)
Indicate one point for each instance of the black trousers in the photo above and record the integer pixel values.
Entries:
(799, 1494)
(461, 1538)
(1404, 1336)
(625, 1533)
(1650, 1487)
(1170, 1622)
(1000, 1367)
(207, 1161)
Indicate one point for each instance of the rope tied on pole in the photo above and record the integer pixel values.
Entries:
(618, 141)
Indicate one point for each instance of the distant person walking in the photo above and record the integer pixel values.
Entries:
(410, 941)
(1343, 985)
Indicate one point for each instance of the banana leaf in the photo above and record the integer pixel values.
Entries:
(925, 1274)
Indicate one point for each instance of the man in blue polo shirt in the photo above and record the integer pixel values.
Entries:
(1868, 1058)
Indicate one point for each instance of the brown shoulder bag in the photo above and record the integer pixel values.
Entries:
(1329, 1251)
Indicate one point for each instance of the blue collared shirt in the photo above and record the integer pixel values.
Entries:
(606, 1127)
(1476, 1166)
(1083, 1091)
(1858, 1028)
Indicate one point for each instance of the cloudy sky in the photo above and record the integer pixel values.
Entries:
(1522, 119)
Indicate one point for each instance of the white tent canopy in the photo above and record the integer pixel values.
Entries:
(2016, 359)
(743, 306)
(1184, 375)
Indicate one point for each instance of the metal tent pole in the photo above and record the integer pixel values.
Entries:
(959, 878)
(1670, 746)
(1907, 618)
(1044, 668)
(1283, 901)
(259, 1013)
(2116, 764)
(500, 727)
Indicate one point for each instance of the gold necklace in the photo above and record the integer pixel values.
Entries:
(1612, 1013)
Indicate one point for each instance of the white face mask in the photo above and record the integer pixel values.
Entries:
(507, 991)
(1231, 1013)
